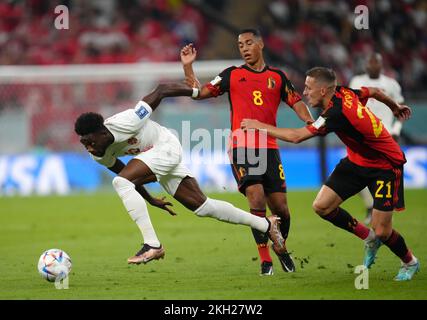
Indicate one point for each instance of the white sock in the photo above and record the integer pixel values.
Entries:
(371, 236)
(226, 212)
(137, 209)
(413, 261)
(366, 196)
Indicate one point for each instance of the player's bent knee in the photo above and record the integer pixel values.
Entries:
(382, 233)
(206, 209)
(320, 208)
(121, 185)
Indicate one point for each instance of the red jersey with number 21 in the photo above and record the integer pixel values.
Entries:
(254, 95)
(368, 142)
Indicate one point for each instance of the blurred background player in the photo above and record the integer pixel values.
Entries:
(157, 157)
(255, 91)
(375, 78)
(374, 160)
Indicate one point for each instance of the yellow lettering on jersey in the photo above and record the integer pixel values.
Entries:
(348, 99)
(377, 126)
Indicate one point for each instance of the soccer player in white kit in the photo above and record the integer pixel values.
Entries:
(374, 78)
(158, 157)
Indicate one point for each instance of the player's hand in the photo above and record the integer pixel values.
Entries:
(188, 54)
(162, 204)
(251, 124)
(403, 112)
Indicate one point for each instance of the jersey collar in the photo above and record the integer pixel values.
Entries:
(254, 71)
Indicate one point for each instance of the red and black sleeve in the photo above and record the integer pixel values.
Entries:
(331, 120)
(288, 92)
(362, 94)
(221, 83)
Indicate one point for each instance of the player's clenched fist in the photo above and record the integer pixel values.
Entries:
(403, 112)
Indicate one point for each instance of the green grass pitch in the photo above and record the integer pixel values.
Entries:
(205, 259)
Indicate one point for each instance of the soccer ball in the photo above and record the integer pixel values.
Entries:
(54, 264)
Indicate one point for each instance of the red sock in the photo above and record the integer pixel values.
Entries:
(264, 252)
(361, 230)
(408, 257)
(342, 219)
(397, 245)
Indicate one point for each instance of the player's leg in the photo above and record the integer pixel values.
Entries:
(368, 201)
(344, 182)
(382, 224)
(274, 184)
(137, 170)
(275, 188)
(387, 190)
(257, 203)
(251, 186)
(189, 194)
(326, 205)
(278, 204)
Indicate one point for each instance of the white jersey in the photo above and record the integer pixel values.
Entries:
(390, 87)
(133, 133)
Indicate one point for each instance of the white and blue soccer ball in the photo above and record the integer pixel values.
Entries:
(54, 264)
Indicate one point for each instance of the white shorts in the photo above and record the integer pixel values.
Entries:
(165, 161)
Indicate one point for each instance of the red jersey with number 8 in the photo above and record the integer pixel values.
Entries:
(254, 95)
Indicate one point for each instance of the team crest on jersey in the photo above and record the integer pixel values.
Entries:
(133, 140)
(271, 83)
(242, 171)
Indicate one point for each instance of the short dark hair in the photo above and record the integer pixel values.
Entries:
(323, 74)
(254, 31)
(89, 122)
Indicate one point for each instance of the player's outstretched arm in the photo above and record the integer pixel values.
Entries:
(285, 134)
(188, 56)
(400, 111)
(303, 112)
(164, 90)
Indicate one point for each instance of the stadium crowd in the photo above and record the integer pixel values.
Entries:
(100, 31)
(301, 33)
(322, 32)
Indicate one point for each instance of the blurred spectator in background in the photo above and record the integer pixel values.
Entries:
(100, 31)
(300, 33)
(322, 32)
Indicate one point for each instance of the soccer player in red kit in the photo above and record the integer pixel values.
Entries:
(374, 160)
(255, 90)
